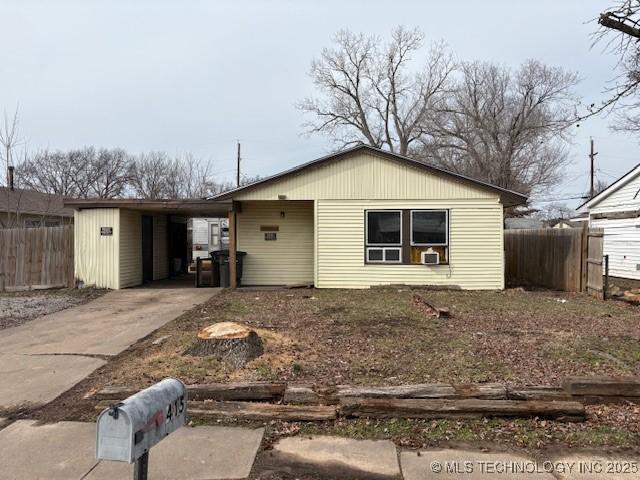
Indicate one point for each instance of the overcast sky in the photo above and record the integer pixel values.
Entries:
(197, 75)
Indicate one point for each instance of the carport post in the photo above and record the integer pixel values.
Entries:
(233, 281)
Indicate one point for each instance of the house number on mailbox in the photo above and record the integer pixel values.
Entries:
(270, 236)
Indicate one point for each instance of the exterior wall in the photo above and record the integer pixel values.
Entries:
(96, 256)
(622, 244)
(365, 176)
(624, 198)
(287, 260)
(160, 247)
(476, 246)
(130, 248)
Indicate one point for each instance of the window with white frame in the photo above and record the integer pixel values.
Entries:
(383, 236)
(429, 227)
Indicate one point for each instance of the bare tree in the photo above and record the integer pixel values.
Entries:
(509, 128)
(58, 173)
(149, 175)
(369, 94)
(9, 140)
(110, 173)
(620, 33)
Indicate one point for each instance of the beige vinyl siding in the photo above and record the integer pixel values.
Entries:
(160, 246)
(130, 248)
(475, 246)
(96, 256)
(287, 260)
(363, 176)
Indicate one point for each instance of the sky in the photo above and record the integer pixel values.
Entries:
(196, 76)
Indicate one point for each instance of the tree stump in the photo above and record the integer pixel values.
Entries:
(227, 341)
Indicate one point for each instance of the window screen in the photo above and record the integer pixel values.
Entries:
(384, 227)
(429, 227)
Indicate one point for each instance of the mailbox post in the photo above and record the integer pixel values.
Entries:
(127, 430)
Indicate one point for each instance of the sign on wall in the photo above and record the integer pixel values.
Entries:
(270, 236)
(106, 231)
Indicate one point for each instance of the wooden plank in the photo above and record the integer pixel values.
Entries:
(466, 408)
(603, 386)
(426, 390)
(233, 246)
(307, 395)
(208, 391)
(261, 411)
(537, 393)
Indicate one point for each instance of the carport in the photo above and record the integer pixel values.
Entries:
(120, 243)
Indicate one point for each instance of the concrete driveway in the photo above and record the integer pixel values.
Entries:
(45, 357)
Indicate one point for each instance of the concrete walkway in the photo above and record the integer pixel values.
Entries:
(46, 356)
(66, 450)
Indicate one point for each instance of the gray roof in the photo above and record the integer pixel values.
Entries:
(32, 203)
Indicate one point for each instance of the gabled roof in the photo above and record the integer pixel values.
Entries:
(508, 197)
(615, 186)
(33, 203)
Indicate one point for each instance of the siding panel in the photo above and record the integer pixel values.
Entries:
(365, 176)
(130, 248)
(622, 244)
(287, 260)
(96, 256)
(476, 246)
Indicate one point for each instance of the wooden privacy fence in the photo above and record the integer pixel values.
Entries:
(33, 258)
(561, 259)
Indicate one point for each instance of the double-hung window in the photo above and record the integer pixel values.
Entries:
(383, 236)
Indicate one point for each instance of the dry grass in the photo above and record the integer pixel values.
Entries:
(379, 336)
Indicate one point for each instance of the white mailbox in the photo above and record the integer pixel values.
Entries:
(127, 431)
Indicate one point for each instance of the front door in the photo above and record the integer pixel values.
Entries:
(147, 248)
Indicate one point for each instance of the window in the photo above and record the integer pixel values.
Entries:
(384, 255)
(384, 227)
(384, 236)
(429, 227)
(214, 230)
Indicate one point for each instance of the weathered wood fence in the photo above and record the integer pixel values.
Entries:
(561, 259)
(34, 258)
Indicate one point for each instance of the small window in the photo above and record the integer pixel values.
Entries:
(384, 255)
(384, 227)
(429, 227)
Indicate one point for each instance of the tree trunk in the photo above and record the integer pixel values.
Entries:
(227, 341)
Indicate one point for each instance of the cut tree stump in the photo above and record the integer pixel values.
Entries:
(261, 411)
(227, 341)
(470, 408)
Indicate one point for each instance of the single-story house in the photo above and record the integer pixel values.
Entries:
(617, 210)
(354, 219)
(20, 208)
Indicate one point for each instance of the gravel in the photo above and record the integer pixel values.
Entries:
(19, 308)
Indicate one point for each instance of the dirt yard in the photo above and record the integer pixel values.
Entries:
(383, 336)
(18, 308)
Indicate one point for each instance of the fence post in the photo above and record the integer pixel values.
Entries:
(605, 287)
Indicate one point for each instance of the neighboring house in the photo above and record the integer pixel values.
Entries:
(617, 210)
(562, 224)
(354, 219)
(519, 223)
(207, 235)
(27, 208)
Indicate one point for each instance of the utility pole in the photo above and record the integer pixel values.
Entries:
(238, 168)
(592, 157)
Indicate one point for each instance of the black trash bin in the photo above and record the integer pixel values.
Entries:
(221, 259)
(215, 271)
